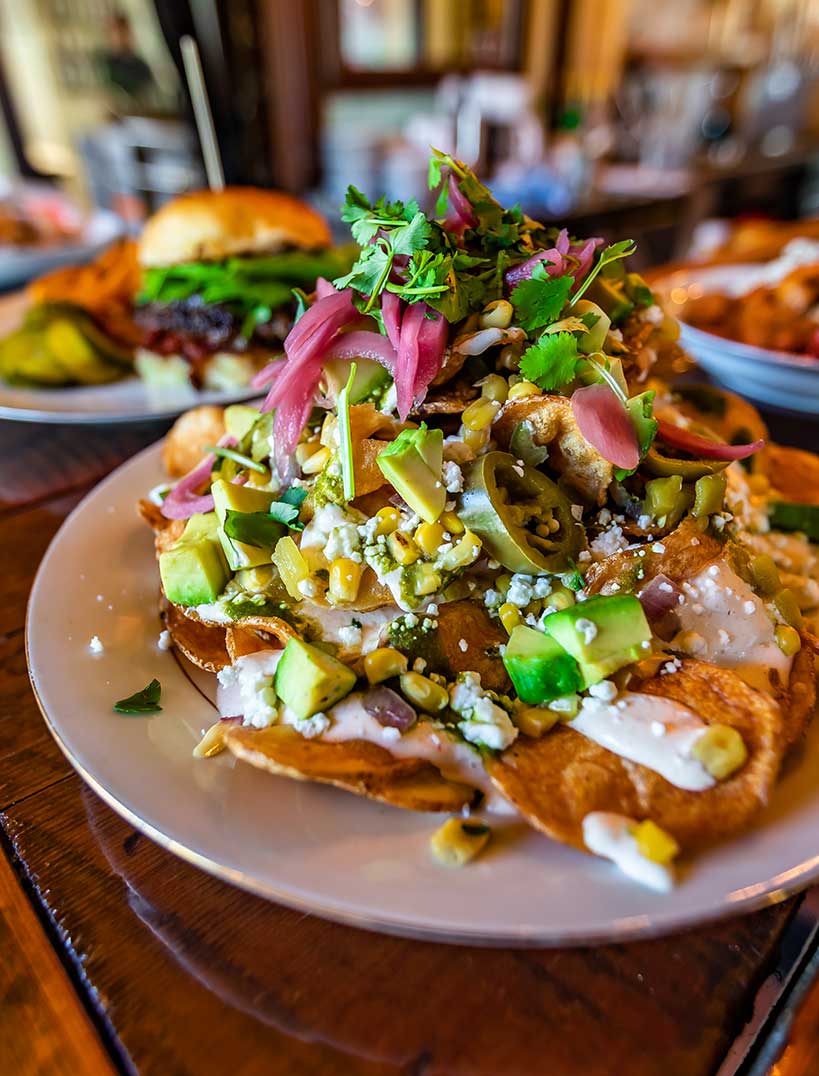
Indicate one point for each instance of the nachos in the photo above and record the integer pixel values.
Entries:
(474, 554)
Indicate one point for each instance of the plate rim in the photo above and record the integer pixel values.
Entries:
(640, 926)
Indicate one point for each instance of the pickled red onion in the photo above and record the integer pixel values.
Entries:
(604, 422)
(703, 447)
(183, 501)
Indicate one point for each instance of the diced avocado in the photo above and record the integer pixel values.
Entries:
(227, 496)
(786, 516)
(370, 376)
(603, 634)
(539, 667)
(412, 464)
(194, 571)
(309, 681)
(595, 337)
(240, 419)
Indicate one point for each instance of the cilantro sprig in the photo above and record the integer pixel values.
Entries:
(539, 300)
(624, 249)
(145, 701)
(552, 361)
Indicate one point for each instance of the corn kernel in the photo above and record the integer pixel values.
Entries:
(497, 315)
(305, 450)
(721, 750)
(464, 553)
(788, 608)
(451, 523)
(428, 536)
(292, 566)
(212, 743)
(329, 430)
(534, 721)
(765, 575)
(788, 640)
(424, 693)
(480, 414)
(388, 520)
(523, 389)
(426, 579)
(561, 599)
(509, 616)
(457, 841)
(565, 706)
(313, 464)
(477, 440)
(345, 579)
(383, 663)
(402, 548)
(655, 843)
(257, 480)
(494, 387)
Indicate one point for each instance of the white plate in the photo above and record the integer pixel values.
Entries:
(317, 848)
(130, 400)
(773, 378)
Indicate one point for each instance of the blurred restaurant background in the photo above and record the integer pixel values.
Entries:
(631, 118)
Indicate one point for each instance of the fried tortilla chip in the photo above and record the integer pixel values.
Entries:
(570, 454)
(556, 781)
(799, 698)
(183, 446)
(727, 416)
(686, 551)
(469, 639)
(357, 766)
(252, 633)
(451, 400)
(202, 644)
(368, 475)
(166, 531)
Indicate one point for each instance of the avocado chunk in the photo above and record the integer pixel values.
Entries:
(240, 420)
(227, 496)
(603, 634)
(370, 376)
(539, 667)
(612, 298)
(194, 571)
(412, 464)
(309, 680)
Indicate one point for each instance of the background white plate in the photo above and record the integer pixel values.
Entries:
(130, 400)
(21, 264)
(317, 848)
(771, 378)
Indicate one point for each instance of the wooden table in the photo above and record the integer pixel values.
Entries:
(117, 957)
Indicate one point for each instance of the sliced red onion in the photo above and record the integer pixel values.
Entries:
(460, 214)
(432, 339)
(554, 264)
(703, 446)
(324, 288)
(605, 423)
(408, 354)
(389, 709)
(659, 596)
(362, 344)
(392, 311)
(266, 376)
(584, 252)
(183, 501)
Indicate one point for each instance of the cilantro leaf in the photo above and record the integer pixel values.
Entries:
(540, 299)
(145, 701)
(551, 362)
(624, 249)
(295, 495)
(373, 264)
(262, 529)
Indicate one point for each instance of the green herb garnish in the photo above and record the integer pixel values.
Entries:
(624, 249)
(345, 439)
(237, 457)
(539, 300)
(262, 529)
(552, 361)
(141, 702)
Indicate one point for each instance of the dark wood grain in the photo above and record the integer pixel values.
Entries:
(43, 1026)
(194, 974)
